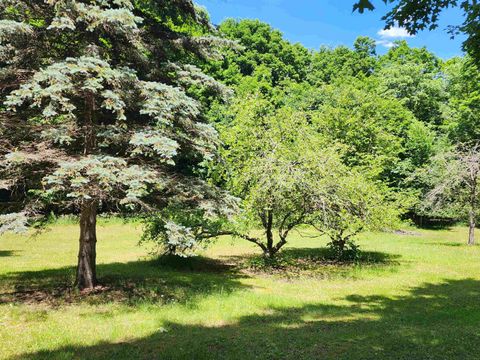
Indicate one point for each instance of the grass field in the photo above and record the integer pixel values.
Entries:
(417, 298)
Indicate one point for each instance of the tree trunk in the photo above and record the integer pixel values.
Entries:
(471, 230)
(86, 269)
(340, 244)
(269, 233)
(87, 253)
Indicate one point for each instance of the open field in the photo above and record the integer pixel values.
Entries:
(418, 298)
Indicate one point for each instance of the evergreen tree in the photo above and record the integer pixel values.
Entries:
(97, 112)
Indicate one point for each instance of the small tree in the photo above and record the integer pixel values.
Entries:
(279, 167)
(96, 115)
(354, 204)
(453, 177)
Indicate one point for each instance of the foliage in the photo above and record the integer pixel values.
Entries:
(388, 113)
(288, 176)
(262, 46)
(131, 130)
(464, 100)
(329, 64)
(354, 205)
(13, 222)
(453, 177)
(420, 91)
(415, 16)
(385, 111)
(371, 127)
(189, 221)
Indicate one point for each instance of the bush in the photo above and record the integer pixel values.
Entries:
(348, 251)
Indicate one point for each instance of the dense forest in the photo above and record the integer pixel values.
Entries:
(148, 110)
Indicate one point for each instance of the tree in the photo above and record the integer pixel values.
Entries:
(463, 88)
(454, 177)
(278, 167)
(96, 115)
(329, 64)
(288, 175)
(262, 46)
(417, 15)
(355, 204)
(414, 77)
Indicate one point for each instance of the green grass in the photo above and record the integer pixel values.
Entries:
(418, 298)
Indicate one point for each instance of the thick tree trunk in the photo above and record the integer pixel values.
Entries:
(471, 230)
(86, 269)
(270, 252)
(87, 252)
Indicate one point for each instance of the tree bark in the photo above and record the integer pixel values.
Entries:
(269, 233)
(86, 269)
(471, 230)
(472, 162)
(87, 253)
(341, 245)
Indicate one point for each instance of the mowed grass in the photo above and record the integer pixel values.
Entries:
(420, 299)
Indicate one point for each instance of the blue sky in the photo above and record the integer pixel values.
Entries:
(331, 22)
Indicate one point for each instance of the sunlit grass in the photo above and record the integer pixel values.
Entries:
(423, 304)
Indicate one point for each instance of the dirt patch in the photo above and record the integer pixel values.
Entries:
(406, 233)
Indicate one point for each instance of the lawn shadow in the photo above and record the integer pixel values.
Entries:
(449, 244)
(433, 321)
(313, 262)
(147, 281)
(194, 263)
(7, 253)
(325, 255)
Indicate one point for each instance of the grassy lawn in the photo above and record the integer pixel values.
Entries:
(419, 298)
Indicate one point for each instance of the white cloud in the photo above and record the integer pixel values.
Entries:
(388, 44)
(394, 32)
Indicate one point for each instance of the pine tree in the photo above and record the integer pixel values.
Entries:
(97, 110)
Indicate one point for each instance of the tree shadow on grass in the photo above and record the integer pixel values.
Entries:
(434, 321)
(325, 255)
(130, 283)
(7, 253)
(449, 244)
(317, 262)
